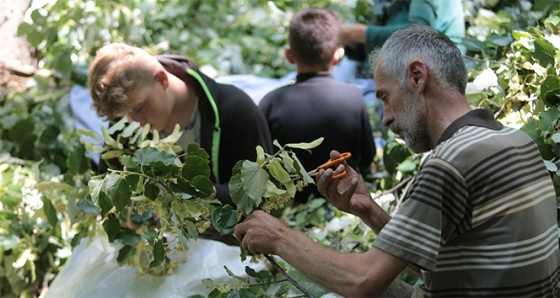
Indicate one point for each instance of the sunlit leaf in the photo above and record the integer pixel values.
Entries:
(47, 186)
(88, 133)
(291, 189)
(277, 171)
(174, 136)
(306, 146)
(260, 155)
(112, 154)
(130, 129)
(118, 126)
(109, 140)
(552, 167)
(277, 144)
(273, 190)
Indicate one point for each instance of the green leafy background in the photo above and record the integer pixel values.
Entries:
(51, 198)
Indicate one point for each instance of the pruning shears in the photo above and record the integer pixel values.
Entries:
(333, 162)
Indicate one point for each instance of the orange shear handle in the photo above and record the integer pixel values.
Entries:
(335, 162)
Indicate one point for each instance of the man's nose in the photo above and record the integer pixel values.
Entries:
(388, 118)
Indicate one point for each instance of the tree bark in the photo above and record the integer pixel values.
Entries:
(16, 54)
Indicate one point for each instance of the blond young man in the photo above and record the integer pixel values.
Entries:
(168, 90)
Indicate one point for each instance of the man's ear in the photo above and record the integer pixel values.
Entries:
(417, 75)
(161, 77)
(338, 54)
(289, 56)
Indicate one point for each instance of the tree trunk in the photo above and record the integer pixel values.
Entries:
(15, 53)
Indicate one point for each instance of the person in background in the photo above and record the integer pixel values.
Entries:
(480, 218)
(307, 109)
(167, 90)
(446, 16)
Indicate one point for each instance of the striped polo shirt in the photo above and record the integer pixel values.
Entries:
(480, 219)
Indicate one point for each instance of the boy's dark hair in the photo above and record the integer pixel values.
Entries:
(314, 36)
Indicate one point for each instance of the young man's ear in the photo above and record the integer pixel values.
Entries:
(338, 54)
(289, 56)
(161, 77)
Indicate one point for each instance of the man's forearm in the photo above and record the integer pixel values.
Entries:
(350, 33)
(372, 214)
(342, 273)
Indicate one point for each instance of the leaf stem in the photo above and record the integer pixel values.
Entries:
(290, 279)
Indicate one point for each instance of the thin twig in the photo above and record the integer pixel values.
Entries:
(401, 197)
(396, 187)
(291, 280)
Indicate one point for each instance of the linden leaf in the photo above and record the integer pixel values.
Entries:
(117, 190)
(130, 129)
(301, 171)
(277, 144)
(260, 155)
(203, 185)
(88, 207)
(291, 189)
(88, 133)
(194, 166)
(224, 219)
(277, 171)
(288, 161)
(50, 211)
(159, 254)
(45, 186)
(239, 195)
(77, 161)
(273, 190)
(306, 146)
(194, 149)
(174, 136)
(254, 180)
(544, 52)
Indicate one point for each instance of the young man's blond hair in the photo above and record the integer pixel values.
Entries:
(117, 71)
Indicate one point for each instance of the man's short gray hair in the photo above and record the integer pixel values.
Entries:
(427, 45)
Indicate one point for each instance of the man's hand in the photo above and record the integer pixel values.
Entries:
(352, 33)
(349, 193)
(260, 233)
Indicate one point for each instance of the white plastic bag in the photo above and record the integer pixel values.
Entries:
(92, 271)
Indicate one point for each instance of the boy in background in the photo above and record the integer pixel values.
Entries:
(307, 109)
